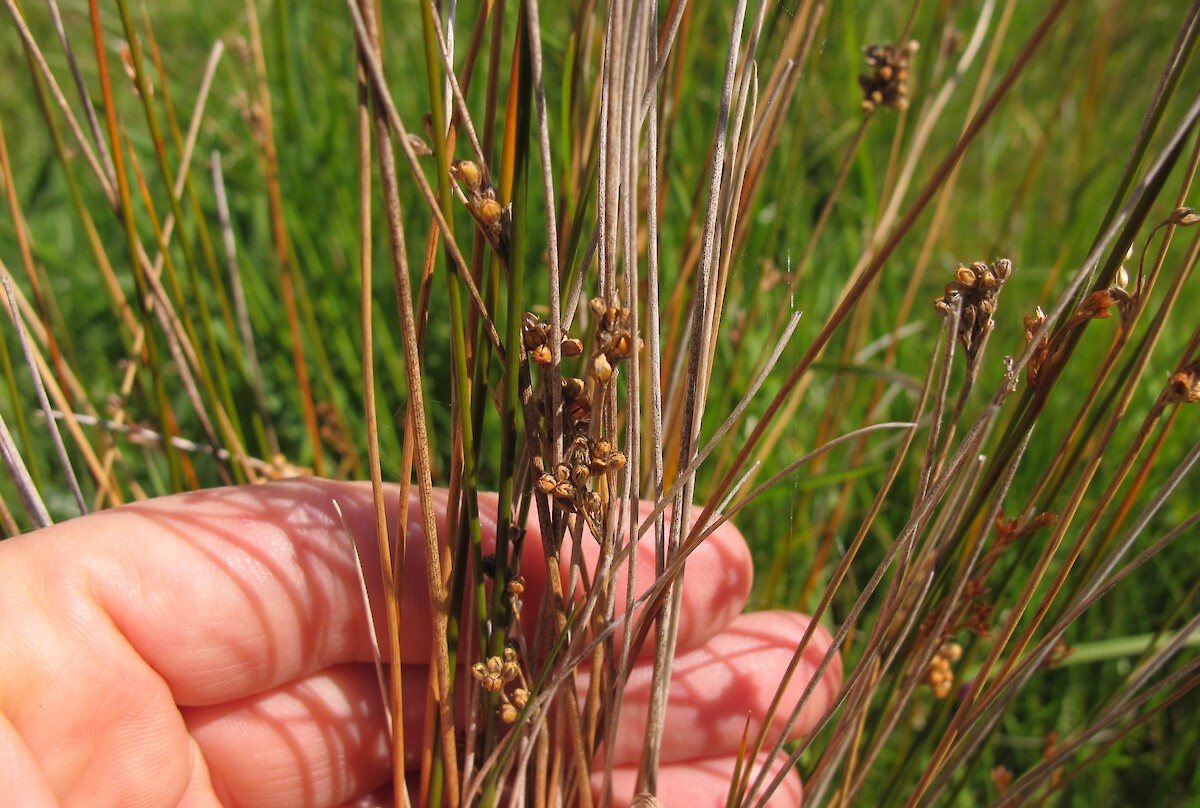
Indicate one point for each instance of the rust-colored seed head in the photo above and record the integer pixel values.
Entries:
(541, 355)
(508, 713)
(571, 347)
(515, 585)
(976, 286)
(1184, 386)
(886, 85)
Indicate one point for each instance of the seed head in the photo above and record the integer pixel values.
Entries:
(468, 173)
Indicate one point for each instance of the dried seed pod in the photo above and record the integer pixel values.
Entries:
(615, 461)
(489, 211)
(541, 355)
(1184, 386)
(572, 388)
(571, 347)
(546, 484)
(508, 713)
(1183, 217)
(579, 410)
(468, 173)
(515, 585)
(580, 475)
(533, 332)
(602, 369)
(420, 147)
(592, 503)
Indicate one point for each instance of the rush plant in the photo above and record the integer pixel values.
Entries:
(904, 289)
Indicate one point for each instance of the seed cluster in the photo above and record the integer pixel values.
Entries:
(977, 286)
(614, 341)
(887, 83)
(1184, 385)
(536, 336)
(940, 673)
(495, 674)
(571, 483)
(493, 218)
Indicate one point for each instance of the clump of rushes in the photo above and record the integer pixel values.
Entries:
(887, 83)
(579, 291)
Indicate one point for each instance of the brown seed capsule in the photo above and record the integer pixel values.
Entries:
(602, 369)
(546, 484)
(572, 388)
(508, 713)
(489, 211)
(541, 355)
(580, 475)
(571, 347)
(515, 585)
(468, 173)
(1183, 217)
(578, 410)
(615, 461)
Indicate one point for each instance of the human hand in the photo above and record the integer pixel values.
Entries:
(211, 648)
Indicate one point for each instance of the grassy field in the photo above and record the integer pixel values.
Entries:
(1059, 136)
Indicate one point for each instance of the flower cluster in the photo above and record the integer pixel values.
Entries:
(887, 83)
(493, 218)
(495, 674)
(569, 485)
(940, 673)
(977, 286)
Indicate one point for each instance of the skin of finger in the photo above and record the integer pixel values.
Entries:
(229, 592)
(732, 678)
(324, 737)
(21, 780)
(320, 740)
(100, 723)
(700, 783)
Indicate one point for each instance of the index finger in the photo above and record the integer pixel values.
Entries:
(229, 592)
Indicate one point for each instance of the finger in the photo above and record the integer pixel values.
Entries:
(229, 592)
(21, 778)
(702, 783)
(731, 678)
(319, 740)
